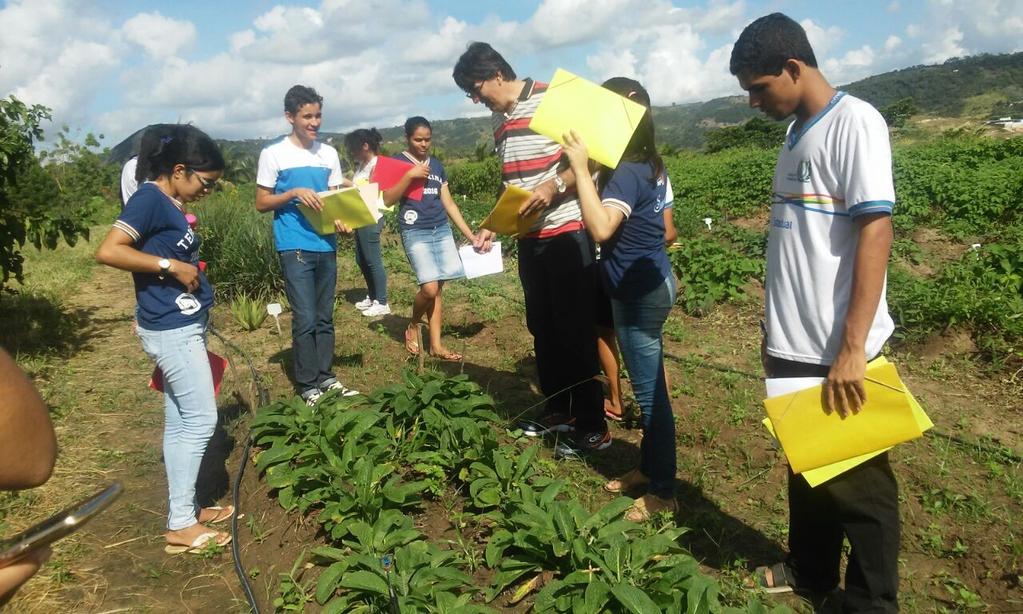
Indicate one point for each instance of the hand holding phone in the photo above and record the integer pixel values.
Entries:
(57, 526)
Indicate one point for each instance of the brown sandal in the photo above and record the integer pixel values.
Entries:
(411, 343)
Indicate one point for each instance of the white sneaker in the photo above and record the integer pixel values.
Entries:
(364, 304)
(377, 309)
(345, 391)
(312, 398)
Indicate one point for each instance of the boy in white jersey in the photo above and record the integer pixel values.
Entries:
(825, 311)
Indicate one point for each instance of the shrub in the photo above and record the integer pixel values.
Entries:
(711, 272)
(238, 245)
(731, 183)
(476, 180)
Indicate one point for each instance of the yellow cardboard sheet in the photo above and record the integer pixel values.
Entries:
(820, 475)
(812, 438)
(505, 219)
(604, 119)
(348, 205)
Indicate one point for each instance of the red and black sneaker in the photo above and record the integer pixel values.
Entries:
(582, 443)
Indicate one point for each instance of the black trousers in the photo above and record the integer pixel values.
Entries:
(558, 276)
(861, 505)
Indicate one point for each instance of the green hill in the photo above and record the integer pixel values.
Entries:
(976, 87)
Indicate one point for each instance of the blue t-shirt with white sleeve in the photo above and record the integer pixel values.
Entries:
(428, 212)
(157, 226)
(283, 166)
(633, 261)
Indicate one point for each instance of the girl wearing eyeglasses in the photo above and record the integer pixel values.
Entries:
(153, 240)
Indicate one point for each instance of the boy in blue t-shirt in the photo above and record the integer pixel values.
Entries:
(290, 173)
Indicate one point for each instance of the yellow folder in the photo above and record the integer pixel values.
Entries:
(348, 205)
(604, 119)
(812, 438)
(505, 219)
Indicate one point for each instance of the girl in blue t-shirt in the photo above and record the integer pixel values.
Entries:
(426, 234)
(153, 240)
(626, 219)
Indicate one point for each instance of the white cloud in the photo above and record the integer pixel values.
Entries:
(56, 53)
(822, 39)
(159, 36)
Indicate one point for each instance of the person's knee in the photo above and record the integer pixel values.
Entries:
(430, 291)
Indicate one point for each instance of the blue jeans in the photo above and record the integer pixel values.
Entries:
(638, 325)
(309, 281)
(370, 262)
(190, 410)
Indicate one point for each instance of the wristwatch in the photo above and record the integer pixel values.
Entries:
(164, 267)
(559, 183)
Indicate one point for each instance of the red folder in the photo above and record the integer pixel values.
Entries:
(389, 171)
(218, 364)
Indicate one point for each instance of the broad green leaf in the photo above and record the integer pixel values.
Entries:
(364, 580)
(634, 600)
(327, 583)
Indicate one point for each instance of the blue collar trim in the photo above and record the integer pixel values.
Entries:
(795, 135)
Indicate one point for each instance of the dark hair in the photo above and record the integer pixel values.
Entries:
(766, 44)
(415, 122)
(355, 139)
(642, 146)
(150, 139)
(479, 63)
(178, 144)
(300, 95)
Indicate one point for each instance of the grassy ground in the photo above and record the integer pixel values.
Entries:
(961, 486)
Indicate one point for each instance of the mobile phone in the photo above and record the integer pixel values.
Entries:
(57, 526)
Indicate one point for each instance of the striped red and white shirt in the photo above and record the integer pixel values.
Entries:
(529, 159)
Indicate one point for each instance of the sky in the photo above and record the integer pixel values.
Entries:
(111, 66)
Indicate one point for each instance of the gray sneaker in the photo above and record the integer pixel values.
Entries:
(345, 391)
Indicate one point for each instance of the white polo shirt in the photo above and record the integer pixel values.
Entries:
(833, 169)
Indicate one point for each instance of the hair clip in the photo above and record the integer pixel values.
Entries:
(166, 139)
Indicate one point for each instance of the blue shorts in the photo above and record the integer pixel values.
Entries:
(432, 253)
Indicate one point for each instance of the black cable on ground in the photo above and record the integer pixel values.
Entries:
(263, 398)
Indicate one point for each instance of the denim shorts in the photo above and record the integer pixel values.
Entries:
(432, 253)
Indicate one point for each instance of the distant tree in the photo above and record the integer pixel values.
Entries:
(899, 111)
(755, 132)
(19, 126)
(239, 163)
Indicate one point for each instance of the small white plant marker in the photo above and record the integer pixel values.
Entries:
(708, 221)
(274, 309)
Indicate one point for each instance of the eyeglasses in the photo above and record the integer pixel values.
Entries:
(207, 184)
(474, 93)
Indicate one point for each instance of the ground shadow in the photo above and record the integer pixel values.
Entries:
(716, 538)
(214, 481)
(35, 325)
(284, 360)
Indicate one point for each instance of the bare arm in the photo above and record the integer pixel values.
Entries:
(670, 234)
(394, 193)
(118, 250)
(455, 214)
(601, 222)
(266, 200)
(29, 446)
(844, 391)
(544, 193)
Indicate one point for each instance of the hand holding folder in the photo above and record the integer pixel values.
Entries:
(389, 171)
(350, 205)
(505, 218)
(813, 439)
(605, 120)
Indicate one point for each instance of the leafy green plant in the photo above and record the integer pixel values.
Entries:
(417, 577)
(593, 562)
(248, 312)
(492, 484)
(711, 272)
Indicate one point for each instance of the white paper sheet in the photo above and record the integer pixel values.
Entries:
(478, 265)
